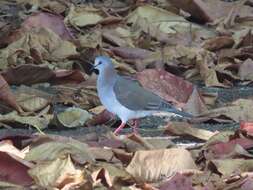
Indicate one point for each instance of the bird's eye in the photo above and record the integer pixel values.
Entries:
(100, 62)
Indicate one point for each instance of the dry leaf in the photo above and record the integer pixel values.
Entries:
(57, 173)
(156, 165)
(6, 95)
(185, 129)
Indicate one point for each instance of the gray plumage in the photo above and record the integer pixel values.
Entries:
(125, 97)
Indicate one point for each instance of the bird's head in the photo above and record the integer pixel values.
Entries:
(103, 64)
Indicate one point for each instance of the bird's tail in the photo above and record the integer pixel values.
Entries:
(169, 108)
(178, 112)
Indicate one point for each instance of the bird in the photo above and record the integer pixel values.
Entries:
(125, 97)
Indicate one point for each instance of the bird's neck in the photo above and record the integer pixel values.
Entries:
(107, 77)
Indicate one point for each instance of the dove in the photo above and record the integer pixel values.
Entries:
(125, 97)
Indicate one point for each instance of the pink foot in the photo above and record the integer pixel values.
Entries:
(122, 125)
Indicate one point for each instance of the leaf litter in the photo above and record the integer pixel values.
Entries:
(176, 49)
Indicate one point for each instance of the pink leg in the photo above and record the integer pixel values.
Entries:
(136, 125)
(122, 125)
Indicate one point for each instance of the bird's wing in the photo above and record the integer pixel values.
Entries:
(130, 94)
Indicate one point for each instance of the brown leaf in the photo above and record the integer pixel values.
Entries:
(7, 96)
(217, 43)
(228, 149)
(130, 53)
(177, 182)
(27, 74)
(56, 173)
(68, 76)
(101, 118)
(36, 45)
(195, 104)
(48, 20)
(229, 166)
(166, 85)
(13, 170)
(155, 165)
(185, 129)
(239, 110)
(210, 10)
(205, 64)
(196, 8)
(103, 154)
(247, 126)
(246, 70)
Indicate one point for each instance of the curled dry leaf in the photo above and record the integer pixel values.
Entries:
(239, 110)
(8, 147)
(52, 150)
(111, 176)
(48, 20)
(185, 129)
(130, 53)
(13, 170)
(210, 10)
(229, 166)
(247, 126)
(160, 19)
(84, 16)
(218, 43)
(155, 165)
(34, 121)
(195, 104)
(229, 148)
(40, 44)
(56, 173)
(68, 76)
(27, 74)
(31, 99)
(73, 117)
(177, 182)
(246, 70)
(6, 95)
(42, 20)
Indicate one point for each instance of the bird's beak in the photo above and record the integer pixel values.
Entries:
(93, 69)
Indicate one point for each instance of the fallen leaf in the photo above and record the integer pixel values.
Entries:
(13, 170)
(63, 76)
(49, 151)
(73, 117)
(228, 149)
(83, 16)
(245, 70)
(144, 165)
(210, 10)
(130, 53)
(100, 118)
(185, 129)
(111, 176)
(7, 146)
(56, 173)
(229, 166)
(247, 126)
(177, 182)
(239, 110)
(37, 44)
(34, 121)
(166, 85)
(48, 20)
(195, 104)
(27, 74)
(6, 95)
(218, 43)
(31, 99)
